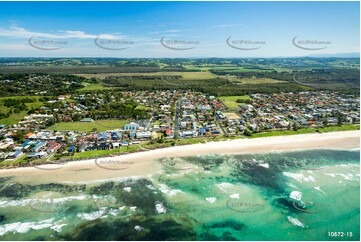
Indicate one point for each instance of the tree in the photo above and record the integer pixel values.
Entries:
(247, 132)
(325, 122)
(339, 120)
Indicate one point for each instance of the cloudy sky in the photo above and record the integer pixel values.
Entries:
(178, 29)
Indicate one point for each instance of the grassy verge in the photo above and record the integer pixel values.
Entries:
(307, 131)
(99, 125)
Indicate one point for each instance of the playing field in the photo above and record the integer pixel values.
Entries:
(231, 101)
(99, 125)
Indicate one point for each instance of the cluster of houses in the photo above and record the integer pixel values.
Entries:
(279, 111)
(195, 116)
(177, 114)
(45, 143)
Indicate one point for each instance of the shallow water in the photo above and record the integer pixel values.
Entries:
(214, 197)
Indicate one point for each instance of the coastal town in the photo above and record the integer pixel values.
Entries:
(165, 115)
(180, 120)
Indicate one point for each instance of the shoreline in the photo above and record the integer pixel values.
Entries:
(144, 163)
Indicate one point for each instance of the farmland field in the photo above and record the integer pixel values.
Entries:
(94, 86)
(185, 75)
(254, 80)
(99, 125)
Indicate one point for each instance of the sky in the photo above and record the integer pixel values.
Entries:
(178, 29)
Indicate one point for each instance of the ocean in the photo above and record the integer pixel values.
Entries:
(299, 195)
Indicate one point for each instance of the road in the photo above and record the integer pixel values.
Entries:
(176, 118)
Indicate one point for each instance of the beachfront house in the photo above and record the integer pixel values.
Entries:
(53, 147)
(103, 136)
(143, 135)
(39, 145)
(14, 155)
(116, 135)
(38, 155)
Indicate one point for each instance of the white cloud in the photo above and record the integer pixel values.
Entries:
(17, 32)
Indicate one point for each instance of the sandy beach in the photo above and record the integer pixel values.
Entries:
(145, 163)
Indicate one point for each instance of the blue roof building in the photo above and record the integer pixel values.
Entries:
(131, 127)
(103, 136)
(26, 143)
(15, 154)
(38, 146)
(116, 135)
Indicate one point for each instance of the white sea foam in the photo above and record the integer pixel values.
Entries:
(347, 176)
(150, 187)
(93, 215)
(309, 179)
(265, 165)
(299, 177)
(211, 199)
(119, 179)
(224, 186)
(295, 222)
(113, 212)
(160, 208)
(127, 189)
(25, 227)
(44, 199)
(296, 195)
(138, 228)
(58, 228)
(296, 176)
(236, 195)
(15, 203)
(170, 192)
(319, 189)
(71, 198)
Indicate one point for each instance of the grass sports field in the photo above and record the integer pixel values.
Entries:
(231, 101)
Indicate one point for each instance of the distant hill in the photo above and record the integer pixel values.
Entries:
(339, 55)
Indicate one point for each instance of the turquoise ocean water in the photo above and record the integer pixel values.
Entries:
(301, 195)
